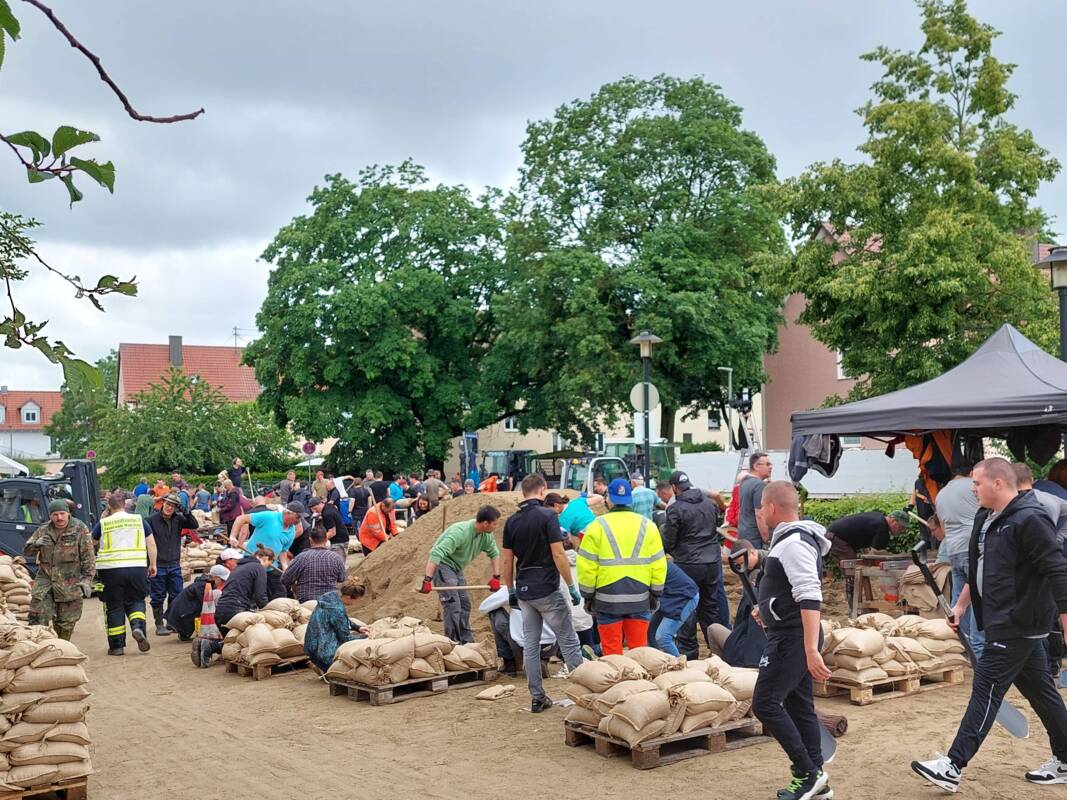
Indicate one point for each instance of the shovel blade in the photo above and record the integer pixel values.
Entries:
(828, 745)
(1013, 721)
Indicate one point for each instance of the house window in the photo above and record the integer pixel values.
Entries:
(714, 420)
(841, 376)
(687, 438)
(511, 425)
(850, 441)
(3, 414)
(558, 442)
(29, 415)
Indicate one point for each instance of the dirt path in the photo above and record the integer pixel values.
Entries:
(163, 728)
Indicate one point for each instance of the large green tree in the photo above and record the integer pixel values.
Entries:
(637, 208)
(924, 245)
(186, 424)
(376, 315)
(75, 424)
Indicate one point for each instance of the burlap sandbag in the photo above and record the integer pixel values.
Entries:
(6, 676)
(31, 775)
(276, 619)
(231, 636)
(260, 639)
(875, 620)
(420, 668)
(858, 642)
(369, 676)
(425, 643)
(673, 722)
(715, 665)
(75, 732)
(859, 678)
(397, 671)
(655, 662)
(475, 655)
(286, 605)
(56, 712)
(66, 694)
(907, 625)
(583, 716)
(299, 632)
(941, 647)
(954, 660)
(578, 693)
(884, 656)
(740, 683)
(25, 732)
(231, 651)
(310, 605)
(703, 697)
(708, 719)
(339, 670)
(453, 663)
(677, 677)
(853, 663)
(358, 651)
(910, 649)
(48, 753)
(31, 679)
(74, 769)
(437, 661)
(606, 701)
(643, 708)
(59, 653)
(14, 702)
(239, 622)
(390, 651)
(621, 729)
(266, 658)
(936, 629)
(899, 669)
(932, 665)
(302, 616)
(23, 653)
(629, 670)
(7, 574)
(285, 644)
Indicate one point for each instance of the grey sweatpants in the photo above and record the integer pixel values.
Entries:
(555, 610)
(455, 606)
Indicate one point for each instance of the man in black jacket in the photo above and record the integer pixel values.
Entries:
(1017, 584)
(167, 525)
(691, 539)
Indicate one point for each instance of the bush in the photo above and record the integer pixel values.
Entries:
(704, 447)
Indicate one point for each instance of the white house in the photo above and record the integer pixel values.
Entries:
(23, 417)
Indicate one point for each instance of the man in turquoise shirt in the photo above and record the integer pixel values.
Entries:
(578, 514)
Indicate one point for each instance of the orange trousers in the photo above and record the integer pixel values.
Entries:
(634, 631)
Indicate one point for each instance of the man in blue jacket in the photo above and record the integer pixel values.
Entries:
(676, 605)
(1016, 585)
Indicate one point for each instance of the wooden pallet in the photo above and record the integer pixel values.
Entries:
(74, 789)
(410, 689)
(261, 672)
(669, 749)
(890, 688)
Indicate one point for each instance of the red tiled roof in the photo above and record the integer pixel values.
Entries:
(13, 402)
(141, 365)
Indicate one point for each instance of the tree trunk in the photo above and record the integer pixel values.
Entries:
(666, 422)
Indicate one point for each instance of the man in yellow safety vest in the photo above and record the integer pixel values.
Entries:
(125, 559)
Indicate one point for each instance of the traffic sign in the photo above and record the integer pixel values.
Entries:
(637, 397)
(309, 448)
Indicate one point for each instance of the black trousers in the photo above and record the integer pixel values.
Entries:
(1025, 663)
(783, 700)
(275, 588)
(706, 577)
(124, 597)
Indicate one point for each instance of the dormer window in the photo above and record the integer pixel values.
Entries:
(31, 414)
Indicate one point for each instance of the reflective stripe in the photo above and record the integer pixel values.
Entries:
(586, 588)
(587, 554)
(137, 615)
(656, 587)
(605, 596)
(631, 562)
(635, 560)
(610, 538)
(640, 538)
(116, 630)
(122, 542)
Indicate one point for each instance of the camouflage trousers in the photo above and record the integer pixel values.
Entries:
(62, 614)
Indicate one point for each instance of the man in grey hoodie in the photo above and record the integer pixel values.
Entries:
(790, 602)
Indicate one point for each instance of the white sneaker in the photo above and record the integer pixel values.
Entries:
(564, 672)
(1052, 771)
(940, 771)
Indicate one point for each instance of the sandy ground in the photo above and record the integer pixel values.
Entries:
(164, 728)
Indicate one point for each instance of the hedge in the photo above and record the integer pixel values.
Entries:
(109, 480)
(826, 511)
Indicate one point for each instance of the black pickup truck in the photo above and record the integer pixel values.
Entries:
(24, 501)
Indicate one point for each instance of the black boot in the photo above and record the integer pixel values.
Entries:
(509, 668)
(161, 625)
(141, 638)
(115, 651)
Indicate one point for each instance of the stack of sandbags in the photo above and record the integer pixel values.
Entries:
(43, 704)
(15, 582)
(915, 645)
(850, 654)
(199, 557)
(914, 589)
(267, 636)
(399, 649)
(616, 695)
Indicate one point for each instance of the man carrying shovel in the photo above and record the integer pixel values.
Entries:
(1017, 584)
(454, 549)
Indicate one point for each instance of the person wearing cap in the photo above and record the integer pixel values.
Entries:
(126, 558)
(183, 612)
(229, 558)
(316, 570)
(276, 530)
(454, 550)
(63, 551)
(167, 525)
(691, 538)
(871, 529)
(621, 571)
(209, 635)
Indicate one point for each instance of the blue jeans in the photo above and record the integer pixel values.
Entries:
(958, 563)
(668, 628)
(555, 611)
(164, 586)
(724, 605)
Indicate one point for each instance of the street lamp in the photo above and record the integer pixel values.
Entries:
(1056, 261)
(646, 341)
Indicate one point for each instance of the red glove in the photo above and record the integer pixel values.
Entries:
(427, 586)
(494, 584)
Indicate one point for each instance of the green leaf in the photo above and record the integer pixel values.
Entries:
(104, 174)
(8, 21)
(33, 140)
(36, 176)
(67, 137)
(75, 194)
(78, 374)
(1, 48)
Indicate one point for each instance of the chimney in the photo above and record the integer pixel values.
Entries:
(175, 351)
(3, 388)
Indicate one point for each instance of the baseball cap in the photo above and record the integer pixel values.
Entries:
(900, 517)
(679, 479)
(58, 505)
(555, 499)
(297, 508)
(219, 571)
(619, 492)
(231, 552)
(314, 502)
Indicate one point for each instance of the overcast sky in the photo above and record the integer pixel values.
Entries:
(297, 90)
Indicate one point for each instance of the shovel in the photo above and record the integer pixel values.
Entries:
(739, 566)
(1008, 716)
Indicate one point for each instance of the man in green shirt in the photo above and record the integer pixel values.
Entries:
(454, 549)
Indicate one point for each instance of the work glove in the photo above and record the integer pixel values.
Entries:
(427, 586)
(494, 583)
(87, 590)
(589, 605)
(653, 601)
(576, 599)
(513, 599)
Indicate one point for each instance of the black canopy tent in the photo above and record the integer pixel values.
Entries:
(1008, 384)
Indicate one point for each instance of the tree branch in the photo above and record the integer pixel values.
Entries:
(103, 73)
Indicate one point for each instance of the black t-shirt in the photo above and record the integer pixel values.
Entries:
(529, 534)
(361, 496)
(862, 530)
(331, 518)
(380, 490)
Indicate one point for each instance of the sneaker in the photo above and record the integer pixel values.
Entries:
(206, 653)
(1052, 771)
(940, 771)
(806, 786)
(115, 651)
(588, 652)
(564, 672)
(195, 653)
(542, 704)
(141, 638)
(826, 793)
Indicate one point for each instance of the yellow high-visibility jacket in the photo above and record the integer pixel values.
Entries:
(621, 562)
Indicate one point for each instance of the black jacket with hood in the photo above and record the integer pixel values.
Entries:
(245, 590)
(689, 530)
(1024, 573)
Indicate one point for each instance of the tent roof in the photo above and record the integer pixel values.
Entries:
(1008, 382)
